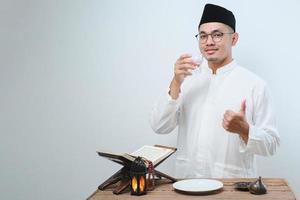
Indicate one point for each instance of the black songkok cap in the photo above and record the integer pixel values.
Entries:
(214, 13)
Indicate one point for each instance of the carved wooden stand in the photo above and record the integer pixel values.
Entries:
(123, 176)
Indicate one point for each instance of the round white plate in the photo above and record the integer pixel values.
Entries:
(198, 185)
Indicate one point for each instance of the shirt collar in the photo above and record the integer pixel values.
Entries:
(222, 70)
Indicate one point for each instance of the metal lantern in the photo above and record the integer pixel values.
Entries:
(138, 173)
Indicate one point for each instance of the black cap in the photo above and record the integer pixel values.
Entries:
(215, 13)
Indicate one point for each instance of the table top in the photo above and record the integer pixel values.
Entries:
(277, 188)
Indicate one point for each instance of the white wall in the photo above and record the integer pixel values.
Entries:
(76, 76)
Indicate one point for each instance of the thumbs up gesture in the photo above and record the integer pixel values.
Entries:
(235, 122)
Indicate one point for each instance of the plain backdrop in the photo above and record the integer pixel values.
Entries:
(77, 76)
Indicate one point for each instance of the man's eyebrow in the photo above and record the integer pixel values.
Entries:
(216, 30)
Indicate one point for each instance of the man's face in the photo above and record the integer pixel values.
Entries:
(216, 50)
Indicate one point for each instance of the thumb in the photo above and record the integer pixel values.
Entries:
(243, 107)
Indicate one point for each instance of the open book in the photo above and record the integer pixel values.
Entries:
(156, 154)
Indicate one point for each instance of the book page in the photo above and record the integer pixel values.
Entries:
(152, 153)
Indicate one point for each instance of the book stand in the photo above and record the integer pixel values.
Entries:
(123, 176)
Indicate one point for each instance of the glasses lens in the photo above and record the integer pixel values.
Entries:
(203, 38)
(217, 37)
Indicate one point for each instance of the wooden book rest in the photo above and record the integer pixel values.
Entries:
(123, 176)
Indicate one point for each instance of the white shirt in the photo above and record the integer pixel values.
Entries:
(205, 148)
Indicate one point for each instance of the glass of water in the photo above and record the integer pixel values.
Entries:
(198, 58)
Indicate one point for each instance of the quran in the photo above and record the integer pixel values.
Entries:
(156, 154)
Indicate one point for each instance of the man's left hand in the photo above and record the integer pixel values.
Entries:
(235, 122)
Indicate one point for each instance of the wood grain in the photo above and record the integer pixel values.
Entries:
(278, 189)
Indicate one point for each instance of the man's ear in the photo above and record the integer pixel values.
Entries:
(235, 38)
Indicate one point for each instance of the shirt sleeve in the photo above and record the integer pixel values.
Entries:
(263, 135)
(165, 114)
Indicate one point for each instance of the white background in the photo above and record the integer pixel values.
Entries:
(76, 76)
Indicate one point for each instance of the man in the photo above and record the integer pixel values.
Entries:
(222, 110)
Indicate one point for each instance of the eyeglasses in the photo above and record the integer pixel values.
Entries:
(216, 36)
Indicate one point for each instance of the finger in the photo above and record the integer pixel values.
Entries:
(226, 121)
(185, 55)
(192, 63)
(229, 115)
(243, 107)
(185, 67)
(227, 112)
(230, 112)
(225, 126)
(189, 61)
(183, 72)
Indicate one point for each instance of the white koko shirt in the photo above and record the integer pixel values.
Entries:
(205, 148)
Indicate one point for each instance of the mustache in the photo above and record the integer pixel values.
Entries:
(210, 48)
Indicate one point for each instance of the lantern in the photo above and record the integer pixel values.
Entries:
(138, 173)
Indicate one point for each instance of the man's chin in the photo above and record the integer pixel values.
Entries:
(212, 59)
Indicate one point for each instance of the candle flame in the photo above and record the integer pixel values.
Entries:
(134, 184)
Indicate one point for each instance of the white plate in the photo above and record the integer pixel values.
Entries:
(198, 185)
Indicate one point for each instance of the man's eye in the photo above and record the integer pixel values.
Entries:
(203, 37)
(217, 35)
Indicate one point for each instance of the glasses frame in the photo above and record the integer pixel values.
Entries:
(211, 35)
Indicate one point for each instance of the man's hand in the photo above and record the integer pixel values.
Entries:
(182, 68)
(235, 122)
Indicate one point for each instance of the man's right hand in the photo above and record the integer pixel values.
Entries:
(182, 68)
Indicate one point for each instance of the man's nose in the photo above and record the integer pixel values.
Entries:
(210, 41)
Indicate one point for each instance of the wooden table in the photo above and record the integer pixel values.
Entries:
(277, 189)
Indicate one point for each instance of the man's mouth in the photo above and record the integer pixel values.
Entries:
(210, 51)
